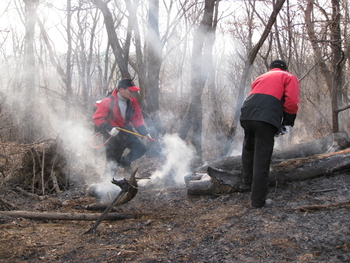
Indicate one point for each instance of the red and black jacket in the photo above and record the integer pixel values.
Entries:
(108, 116)
(273, 98)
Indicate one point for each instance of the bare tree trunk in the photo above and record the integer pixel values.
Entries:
(113, 38)
(29, 69)
(248, 63)
(69, 59)
(193, 118)
(153, 65)
(216, 116)
(139, 66)
(334, 77)
(337, 64)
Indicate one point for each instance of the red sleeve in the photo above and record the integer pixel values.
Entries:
(291, 95)
(101, 112)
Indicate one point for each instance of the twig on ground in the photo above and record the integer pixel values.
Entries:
(34, 196)
(323, 190)
(312, 208)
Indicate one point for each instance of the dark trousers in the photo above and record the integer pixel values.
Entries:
(259, 138)
(118, 144)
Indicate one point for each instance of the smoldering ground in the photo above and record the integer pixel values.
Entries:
(176, 156)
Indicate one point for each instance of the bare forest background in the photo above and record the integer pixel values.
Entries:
(193, 60)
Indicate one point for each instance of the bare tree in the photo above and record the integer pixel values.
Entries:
(113, 39)
(153, 65)
(333, 74)
(29, 69)
(193, 118)
(69, 57)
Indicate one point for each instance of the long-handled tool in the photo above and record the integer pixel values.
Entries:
(128, 191)
(121, 129)
(137, 134)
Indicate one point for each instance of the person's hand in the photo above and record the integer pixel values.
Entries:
(285, 129)
(114, 132)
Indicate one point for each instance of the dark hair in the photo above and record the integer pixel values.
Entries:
(278, 64)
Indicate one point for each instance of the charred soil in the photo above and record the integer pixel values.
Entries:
(171, 226)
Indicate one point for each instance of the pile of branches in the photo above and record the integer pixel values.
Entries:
(43, 169)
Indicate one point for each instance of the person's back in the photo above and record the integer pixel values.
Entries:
(271, 103)
(273, 96)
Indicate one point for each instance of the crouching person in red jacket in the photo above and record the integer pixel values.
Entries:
(121, 110)
(269, 109)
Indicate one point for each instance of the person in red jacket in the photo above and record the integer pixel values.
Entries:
(270, 109)
(121, 110)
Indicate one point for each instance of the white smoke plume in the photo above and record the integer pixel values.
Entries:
(104, 190)
(178, 156)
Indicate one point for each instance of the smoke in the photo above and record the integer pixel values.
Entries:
(178, 156)
(104, 190)
(177, 159)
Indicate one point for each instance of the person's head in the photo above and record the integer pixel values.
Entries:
(278, 64)
(126, 88)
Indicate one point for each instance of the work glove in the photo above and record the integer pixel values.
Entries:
(285, 129)
(114, 132)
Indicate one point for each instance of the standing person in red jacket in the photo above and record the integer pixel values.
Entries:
(121, 110)
(269, 109)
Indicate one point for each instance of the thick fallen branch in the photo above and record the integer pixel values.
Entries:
(218, 181)
(64, 216)
(313, 208)
(331, 143)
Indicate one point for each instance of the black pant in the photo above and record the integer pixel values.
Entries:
(259, 138)
(117, 145)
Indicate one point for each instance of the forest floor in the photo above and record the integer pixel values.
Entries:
(171, 226)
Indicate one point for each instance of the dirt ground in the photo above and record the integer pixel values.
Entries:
(171, 226)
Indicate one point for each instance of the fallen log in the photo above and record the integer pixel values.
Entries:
(218, 181)
(331, 143)
(64, 216)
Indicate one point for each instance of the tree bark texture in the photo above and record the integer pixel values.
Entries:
(113, 38)
(153, 65)
(193, 117)
(29, 133)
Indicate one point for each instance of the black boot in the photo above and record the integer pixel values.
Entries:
(125, 164)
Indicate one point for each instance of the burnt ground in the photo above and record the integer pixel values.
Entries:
(171, 226)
